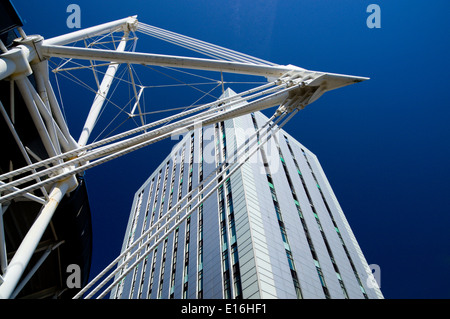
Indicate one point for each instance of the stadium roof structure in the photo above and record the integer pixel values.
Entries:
(44, 161)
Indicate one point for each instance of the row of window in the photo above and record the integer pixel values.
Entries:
(305, 227)
(130, 240)
(230, 258)
(284, 236)
(152, 220)
(151, 223)
(306, 231)
(159, 215)
(231, 276)
(176, 234)
(187, 235)
(144, 266)
(320, 226)
(200, 225)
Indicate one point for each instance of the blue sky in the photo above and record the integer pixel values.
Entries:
(383, 143)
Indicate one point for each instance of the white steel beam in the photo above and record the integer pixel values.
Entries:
(137, 101)
(163, 60)
(16, 61)
(213, 115)
(261, 90)
(35, 115)
(46, 115)
(126, 24)
(136, 95)
(101, 95)
(35, 267)
(42, 79)
(12, 106)
(127, 146)
(28, 245)
(269, 71)
(25, 194)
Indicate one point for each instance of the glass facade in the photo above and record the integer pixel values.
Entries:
(274, 229)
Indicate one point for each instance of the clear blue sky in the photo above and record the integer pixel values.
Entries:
(383, 143)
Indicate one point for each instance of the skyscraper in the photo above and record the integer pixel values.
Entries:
(272, 229)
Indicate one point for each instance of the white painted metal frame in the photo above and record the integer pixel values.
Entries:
(289, 87)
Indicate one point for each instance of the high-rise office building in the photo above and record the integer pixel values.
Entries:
(273, 229)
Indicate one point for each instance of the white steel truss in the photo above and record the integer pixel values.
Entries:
(47, 180)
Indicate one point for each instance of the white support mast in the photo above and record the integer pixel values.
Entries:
(101, 95)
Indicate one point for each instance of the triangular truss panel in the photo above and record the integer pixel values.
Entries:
(122, 98)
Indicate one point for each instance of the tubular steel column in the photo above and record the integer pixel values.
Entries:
(101, 96)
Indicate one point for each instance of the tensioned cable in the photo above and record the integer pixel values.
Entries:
(108, 100)
(84, 67)
(136, 130)
(58, 68)
(204, 47)
(122, 109)
(263, 89)
(173, 78)
(76, 80)
(120, 78)
(60, 98)
(19, 143)
(121, 148)
(178, 85)
(110, 123)
(111, 152)
(203, 51)
(198, 45)
(124, 147)
(118, 126)
(189, 73)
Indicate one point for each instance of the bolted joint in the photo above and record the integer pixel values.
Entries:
(15, 63)
(33, 43)
(70, 180)
(131, 24)
(17, 60)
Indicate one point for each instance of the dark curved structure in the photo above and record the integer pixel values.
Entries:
(68, 238)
